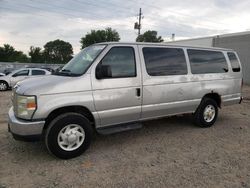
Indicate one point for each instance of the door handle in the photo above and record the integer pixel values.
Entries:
(138, 92)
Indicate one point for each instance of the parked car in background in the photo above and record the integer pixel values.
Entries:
(48, 69)
(112, 87)
(8, 81)
(8, 71)
(2, 74)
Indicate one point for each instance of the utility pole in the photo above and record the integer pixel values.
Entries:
(138, 25)
(173, 36)
(139, 29)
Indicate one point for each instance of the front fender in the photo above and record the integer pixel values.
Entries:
(48, 103)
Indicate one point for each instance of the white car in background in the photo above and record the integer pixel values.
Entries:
(11, 79)
(2, 74)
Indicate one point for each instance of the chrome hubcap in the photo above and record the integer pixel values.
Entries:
(71, 137)
(3, 86)
(209, 113)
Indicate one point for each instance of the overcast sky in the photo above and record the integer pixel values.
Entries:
(34, 22)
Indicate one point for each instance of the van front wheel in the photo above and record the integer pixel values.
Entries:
(68, 135)
(206, 114)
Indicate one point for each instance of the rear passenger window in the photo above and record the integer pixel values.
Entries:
(165, 61)
(204, 61)
(234, 62)
(38, 72)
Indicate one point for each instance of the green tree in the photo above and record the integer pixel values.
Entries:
(96, 36)
(58, 51)
(36, 55)
(149, 36)
(9, 54)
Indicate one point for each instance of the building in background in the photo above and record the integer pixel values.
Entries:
(240, 42)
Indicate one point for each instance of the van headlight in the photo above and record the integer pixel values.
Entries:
(25, 106)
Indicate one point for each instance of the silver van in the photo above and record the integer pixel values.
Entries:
(112, 87)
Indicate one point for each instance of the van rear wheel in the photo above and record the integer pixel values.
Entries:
(68, 135)
(206, 114)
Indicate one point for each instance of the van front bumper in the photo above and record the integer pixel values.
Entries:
(24, 130)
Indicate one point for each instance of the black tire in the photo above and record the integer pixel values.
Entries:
(58, 124)
(199, 117)
(3, 83)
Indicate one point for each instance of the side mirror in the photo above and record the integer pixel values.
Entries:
(103, 71)
(14, 75)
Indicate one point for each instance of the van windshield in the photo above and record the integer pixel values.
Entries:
(81, 62)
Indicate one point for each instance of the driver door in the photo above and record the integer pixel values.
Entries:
(117, 95)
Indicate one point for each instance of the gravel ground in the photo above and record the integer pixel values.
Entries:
(170, 152)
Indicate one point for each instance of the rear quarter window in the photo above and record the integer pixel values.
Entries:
(234, 62)
(205, 61)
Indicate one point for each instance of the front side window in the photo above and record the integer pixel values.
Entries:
(119, 62)
(234, 62)
(82, 61)
(204, 61)
(38, 72)
(165, 61)
(21, 73)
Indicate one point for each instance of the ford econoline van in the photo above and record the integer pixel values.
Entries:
(112, 87)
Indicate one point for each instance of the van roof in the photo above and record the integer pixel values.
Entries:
(164, 44)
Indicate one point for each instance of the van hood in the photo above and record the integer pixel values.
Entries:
(53, 84)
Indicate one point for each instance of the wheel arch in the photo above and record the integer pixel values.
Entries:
(76, 108)
(215, 96)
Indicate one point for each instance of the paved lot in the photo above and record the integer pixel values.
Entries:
(170, 152)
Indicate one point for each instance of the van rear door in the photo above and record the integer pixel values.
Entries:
(167, 89)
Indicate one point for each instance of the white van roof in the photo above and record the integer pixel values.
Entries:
(164, 44)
